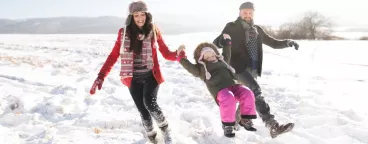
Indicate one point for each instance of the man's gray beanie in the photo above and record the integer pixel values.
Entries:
(247, 5)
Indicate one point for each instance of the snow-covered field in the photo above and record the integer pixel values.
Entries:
(351, 35)
(45, 81)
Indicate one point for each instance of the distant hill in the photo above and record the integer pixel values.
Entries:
(95, 25)
(356, 30)
(110, 25)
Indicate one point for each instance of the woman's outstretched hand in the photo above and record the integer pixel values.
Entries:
(97, 84)
(180, 53)
(180, 49)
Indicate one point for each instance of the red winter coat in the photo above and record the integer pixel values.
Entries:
(115, 53)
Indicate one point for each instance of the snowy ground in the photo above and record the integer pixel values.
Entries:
(350, 35)
(45, 80)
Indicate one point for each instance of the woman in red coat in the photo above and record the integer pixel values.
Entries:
(140, 70)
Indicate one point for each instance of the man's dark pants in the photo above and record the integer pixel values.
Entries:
(248, 78)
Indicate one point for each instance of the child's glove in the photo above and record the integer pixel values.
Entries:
(97, 84)
(225, 40)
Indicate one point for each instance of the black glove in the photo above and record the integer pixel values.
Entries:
(292, 43)
(225, 41)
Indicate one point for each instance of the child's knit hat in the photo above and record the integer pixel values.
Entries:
(220, 57)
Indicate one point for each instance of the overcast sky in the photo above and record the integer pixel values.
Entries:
(269, 12)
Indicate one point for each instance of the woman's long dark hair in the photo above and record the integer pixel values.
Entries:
(133, 31)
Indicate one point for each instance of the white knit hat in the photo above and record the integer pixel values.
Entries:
(220, 57)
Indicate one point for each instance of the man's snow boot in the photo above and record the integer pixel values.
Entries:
(276, 129)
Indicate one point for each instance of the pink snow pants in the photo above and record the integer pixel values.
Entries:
(227, 99)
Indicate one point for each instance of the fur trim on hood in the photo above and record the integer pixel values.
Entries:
(197, 56)
(197, 51)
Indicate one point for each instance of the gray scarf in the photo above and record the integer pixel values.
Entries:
(249, 28)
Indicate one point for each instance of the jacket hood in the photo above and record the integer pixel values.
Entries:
(197, 51)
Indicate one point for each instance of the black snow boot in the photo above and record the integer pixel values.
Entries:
(247, 124)
(228, 131)
(167, 134)
(276, 129)
(150, 131)
(152, 137)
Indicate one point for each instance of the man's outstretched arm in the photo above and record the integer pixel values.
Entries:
(275, 43)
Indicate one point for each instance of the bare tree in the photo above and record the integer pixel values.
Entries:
(364, 38)
(312, 25)
(287, 31)
(269, 30)
(316, 25)
(291, 30)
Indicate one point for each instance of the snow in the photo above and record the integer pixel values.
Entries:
(45, 81)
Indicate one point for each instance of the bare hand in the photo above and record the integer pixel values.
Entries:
(226, 36)
(226, 40)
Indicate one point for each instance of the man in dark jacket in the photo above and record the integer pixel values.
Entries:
(246, 59)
